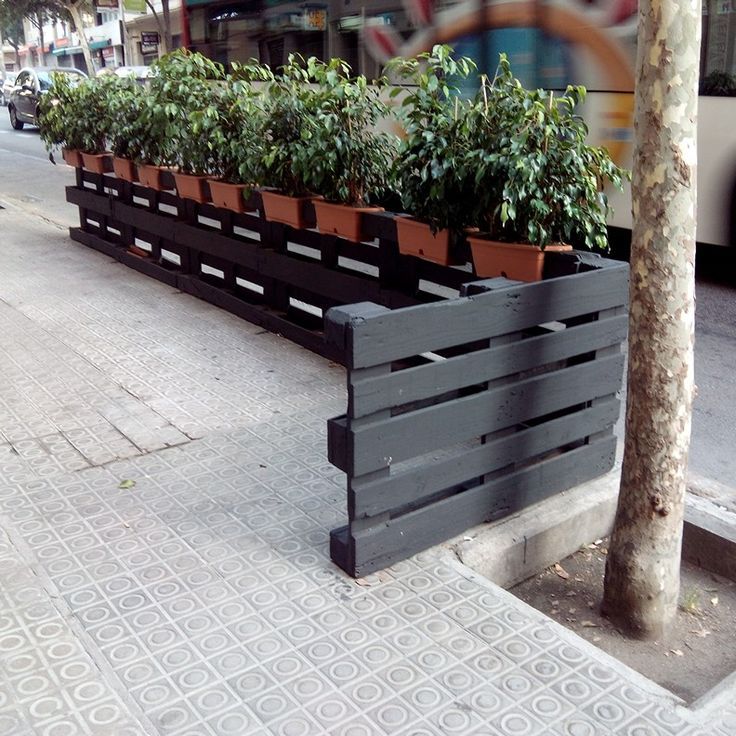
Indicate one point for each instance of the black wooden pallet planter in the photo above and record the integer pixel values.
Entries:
(467, 410)
(270, 274)
(467, 400)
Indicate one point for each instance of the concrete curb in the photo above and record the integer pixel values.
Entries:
(516, 548)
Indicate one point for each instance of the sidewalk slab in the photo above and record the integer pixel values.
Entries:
(50, 681)
(195, 573)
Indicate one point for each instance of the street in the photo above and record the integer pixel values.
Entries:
(31, 182)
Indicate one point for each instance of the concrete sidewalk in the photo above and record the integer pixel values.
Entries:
(165, 502)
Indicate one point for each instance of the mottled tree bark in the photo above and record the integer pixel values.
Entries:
(643, 568)
(163, 25)
(76, 8)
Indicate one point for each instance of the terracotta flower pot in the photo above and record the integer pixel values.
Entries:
(150, 176)
(517, 261)
(124, 169)
(228, 196)
(341, 219)
(95, 162)
(190, 186)
(286, 210)
(72, 157)
(416, 239)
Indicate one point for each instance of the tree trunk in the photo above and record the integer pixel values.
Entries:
(75, 11)
(643, 567)
(41, 52)
(2, 55)
(163, 34)
(168, 43)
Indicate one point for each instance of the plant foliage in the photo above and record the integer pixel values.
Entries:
(182, 83)
(431, 172)
(229, 126)
(63, 120)
(719, 84)
(289, 101)
(342, 155)
(537, 179)
(126, 125)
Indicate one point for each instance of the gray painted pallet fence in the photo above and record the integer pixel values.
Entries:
(461, 409)
(467, 410)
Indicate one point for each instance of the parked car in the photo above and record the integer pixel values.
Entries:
(140, 73)
(30, 84)
(7, 86)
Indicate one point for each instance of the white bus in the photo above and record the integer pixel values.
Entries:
(552, 43)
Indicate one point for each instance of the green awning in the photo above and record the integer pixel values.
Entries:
(95, 45)
(67, 51)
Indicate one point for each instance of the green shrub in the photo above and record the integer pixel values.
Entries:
(342, 155)
(537, 179)
(431, 172)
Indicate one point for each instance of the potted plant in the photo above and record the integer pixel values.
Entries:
(61, 119)
(343, 157)
(125, 125)
(230, 125)
(540, 185)
(178, 86)
(91, 105)
(437, 189)
(184, 83)
(289, 100)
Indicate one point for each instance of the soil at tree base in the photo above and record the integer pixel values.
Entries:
(699, 652)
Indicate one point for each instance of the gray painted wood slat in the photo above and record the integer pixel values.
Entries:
(402, 488)
(415, 330)
(379, 444)
(406, 535)
(425, 381)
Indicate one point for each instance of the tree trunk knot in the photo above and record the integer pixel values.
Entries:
(658, 505)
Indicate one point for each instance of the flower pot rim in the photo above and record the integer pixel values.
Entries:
(176, 172)
(322, 202)
(278, 193)
(486, 238)
(219, 180)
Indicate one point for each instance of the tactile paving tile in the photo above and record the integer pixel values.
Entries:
(283, 640)
(201, 594)
(49, 683)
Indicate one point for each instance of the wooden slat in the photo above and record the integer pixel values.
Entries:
(119, 253)
(243, 252)
(433, 379)
(379, 444)
(257, 314)
(89, 200)
(374, 497)
(380, 546)
(155, 223)
(447, 323)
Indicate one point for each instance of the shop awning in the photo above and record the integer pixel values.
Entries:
(67, 51)
(93, 45)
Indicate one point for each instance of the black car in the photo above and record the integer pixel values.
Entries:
(30, 84)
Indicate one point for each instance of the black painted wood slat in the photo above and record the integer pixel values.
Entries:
(378, 445)
(121, 254)
(403, 333)
(373, 497)
(380, 546)
(434, 379)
